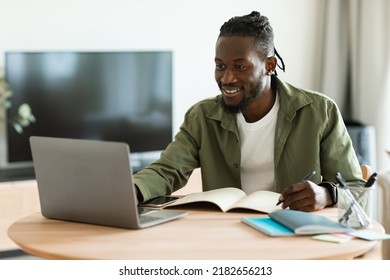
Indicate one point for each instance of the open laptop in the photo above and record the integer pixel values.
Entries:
(90, 182)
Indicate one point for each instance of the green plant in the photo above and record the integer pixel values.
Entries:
(24, 117)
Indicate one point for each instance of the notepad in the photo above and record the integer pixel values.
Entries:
(333, 237)
(370, 235)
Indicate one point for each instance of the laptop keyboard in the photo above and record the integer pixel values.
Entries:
(147, 215)
(145, 211)
(147, 219)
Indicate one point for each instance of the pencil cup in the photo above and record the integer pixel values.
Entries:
(356, 206)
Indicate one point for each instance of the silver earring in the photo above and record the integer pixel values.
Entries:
(270, 73)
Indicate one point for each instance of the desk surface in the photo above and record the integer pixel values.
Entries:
(202, 234)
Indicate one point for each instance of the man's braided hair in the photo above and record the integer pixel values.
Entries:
(257, 26)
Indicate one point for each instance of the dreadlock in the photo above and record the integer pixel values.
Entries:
(257, 26)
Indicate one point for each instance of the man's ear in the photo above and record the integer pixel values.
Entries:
(271, 63)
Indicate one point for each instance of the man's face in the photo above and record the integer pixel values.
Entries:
(239, 71)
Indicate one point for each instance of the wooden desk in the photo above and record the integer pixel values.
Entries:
(202, 234)
(17, 200)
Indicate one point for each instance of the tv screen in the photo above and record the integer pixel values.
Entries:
(113, 96)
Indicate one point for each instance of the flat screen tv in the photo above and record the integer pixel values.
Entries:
(113, 96)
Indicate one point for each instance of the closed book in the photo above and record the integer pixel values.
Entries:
(298, 222)
(268, 226)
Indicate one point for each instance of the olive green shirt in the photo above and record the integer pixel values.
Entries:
(310, 135)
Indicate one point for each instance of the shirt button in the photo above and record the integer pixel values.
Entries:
(236, 165)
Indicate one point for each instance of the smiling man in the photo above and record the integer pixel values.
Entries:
(259, 133)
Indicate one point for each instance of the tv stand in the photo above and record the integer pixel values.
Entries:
(17, 174)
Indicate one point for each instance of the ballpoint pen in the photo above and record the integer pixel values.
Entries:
(368, 184)
(307, 177)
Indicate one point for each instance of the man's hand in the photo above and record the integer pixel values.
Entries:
(305, 196)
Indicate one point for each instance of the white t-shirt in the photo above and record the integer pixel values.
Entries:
(257, 151)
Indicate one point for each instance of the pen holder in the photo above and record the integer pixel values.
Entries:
(356, 206)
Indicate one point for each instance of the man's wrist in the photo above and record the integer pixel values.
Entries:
(332, 191)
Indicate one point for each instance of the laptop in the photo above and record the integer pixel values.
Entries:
(90, 181)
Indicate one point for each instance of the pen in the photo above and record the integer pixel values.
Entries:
(307, 177)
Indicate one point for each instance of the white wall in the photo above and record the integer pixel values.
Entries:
(188, 28)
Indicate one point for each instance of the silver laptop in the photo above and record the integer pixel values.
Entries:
(90, 182)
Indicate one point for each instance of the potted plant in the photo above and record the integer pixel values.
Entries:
(24, 117)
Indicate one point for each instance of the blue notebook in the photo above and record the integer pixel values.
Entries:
(268, 226)
(290, 222)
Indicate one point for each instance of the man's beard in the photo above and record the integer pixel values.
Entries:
(236, 109)
(243, 105)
